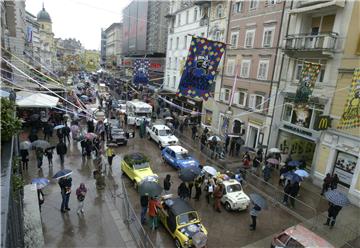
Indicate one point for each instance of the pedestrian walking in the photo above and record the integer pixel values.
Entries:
(80, 195)
(144, 202)
(190, 186)
(47, 131)
(257, 160)
(61, 150)
(49, 155)
(326, 183)
(33, 136)
(183, 191)
(193, 132)
(153, 212)
(282, 171)
(287, 190)
(255, 211)
(202, 141)
(110, 155)
(198, 183)
(232, 147)
(333, 212)
(267, 172)
(41, 198)
(246, 160)
(209, 188)
(334, 182)
(60, 134)
(218, 193)
(24, 158)
(294, 190)
(65, 184)
(167, 183)
(39, 157)
(227, 142)
(88, 148)
(66, 131)
(237, 148)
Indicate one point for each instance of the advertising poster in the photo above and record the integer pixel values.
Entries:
(345, 167)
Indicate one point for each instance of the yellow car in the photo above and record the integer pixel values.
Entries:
(137, 167)
(181, 221)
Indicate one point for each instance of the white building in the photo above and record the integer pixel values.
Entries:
(32, 49)
(113, 47)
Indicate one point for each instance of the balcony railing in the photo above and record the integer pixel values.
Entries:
(309, 42)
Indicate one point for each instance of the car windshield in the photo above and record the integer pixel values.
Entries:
(233, 188)
(164, 132)
(182, 156)
(186, 218)
(141, 166)
(142, 114)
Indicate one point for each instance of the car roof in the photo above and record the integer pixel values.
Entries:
(306, 237)
(178, 206)
(229, 182)
(159, 126)
(178, 149)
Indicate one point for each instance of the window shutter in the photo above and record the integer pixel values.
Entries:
(236, 98)
(252, 102)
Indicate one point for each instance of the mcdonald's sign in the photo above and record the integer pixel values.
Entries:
(323, 123)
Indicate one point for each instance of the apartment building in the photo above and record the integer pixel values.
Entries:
(113, 45)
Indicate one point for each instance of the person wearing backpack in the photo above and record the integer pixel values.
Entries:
(80, 194)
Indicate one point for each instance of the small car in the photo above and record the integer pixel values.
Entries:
(180, 220)
(162, 135)
(137, 167)
(118, 136)
(299, 236)
(234, 198)
(178, 157)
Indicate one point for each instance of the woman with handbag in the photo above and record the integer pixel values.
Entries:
(110, 155)
(80, 194)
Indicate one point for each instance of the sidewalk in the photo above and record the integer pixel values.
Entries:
(100, 226)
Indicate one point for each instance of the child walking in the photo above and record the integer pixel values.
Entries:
(80, 194)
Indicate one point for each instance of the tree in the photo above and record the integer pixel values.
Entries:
(10, 124)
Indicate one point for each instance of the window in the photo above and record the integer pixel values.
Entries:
(168, 80)
(195, 14)
(237, 7)
(230, 68)
(169, 63)
(245, 68)
(287, 112)
(268, 37)
(179, 19)
(177, 42)
(240, 98)
(271, 2)
(187, 17)
(256, 102)
(225, 95)
(217, 36)
(185, 42)
(174, 81)
(263, 69)
(253, 4)
(234, 39)
(170, 43)
(176, 63)
(249, 38)
(219, 11)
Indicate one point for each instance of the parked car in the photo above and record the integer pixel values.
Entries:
(137, 167)
(180, 220)
(299, 236)
(162, 135)
(234, 198)
(178, 157)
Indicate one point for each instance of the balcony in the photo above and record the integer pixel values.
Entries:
(304, 45)
(204, 22)
(202, 2)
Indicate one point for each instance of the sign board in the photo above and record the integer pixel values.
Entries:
(345, 167)
(322, 123)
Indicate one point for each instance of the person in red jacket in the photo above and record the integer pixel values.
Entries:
(153, 205)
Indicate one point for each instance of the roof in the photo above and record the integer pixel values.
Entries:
(43, 16)
(113, 26)
(37, 100)
(178, 149)
(306, 237)
(179, 206)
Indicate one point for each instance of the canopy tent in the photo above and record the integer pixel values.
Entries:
(37, 100)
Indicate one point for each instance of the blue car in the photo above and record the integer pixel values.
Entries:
(178, 157)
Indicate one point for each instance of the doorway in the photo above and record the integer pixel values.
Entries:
(253, 134)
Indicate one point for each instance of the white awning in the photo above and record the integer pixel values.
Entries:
(315, 7)
(37, 100)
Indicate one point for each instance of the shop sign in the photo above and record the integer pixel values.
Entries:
(345, 168)
(323, 123)
(297, 130)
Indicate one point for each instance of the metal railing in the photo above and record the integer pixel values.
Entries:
(322, 41)
(131, 220)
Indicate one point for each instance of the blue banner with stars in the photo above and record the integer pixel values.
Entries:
(200, 68)
(141, 71)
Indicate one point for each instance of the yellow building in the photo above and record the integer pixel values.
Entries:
(339, 150)
(91, 60)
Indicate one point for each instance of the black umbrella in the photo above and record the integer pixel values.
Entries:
(247, 149)
(188, 174)
(151, 188)
(337, 198)
(258, 200)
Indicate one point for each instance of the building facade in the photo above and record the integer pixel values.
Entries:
(103, 48)
(251, 56)
(32, 44)
(68, 55)
(113, 45)
(316, 33)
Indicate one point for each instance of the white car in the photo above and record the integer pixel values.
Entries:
(162, 135)
(234, 197)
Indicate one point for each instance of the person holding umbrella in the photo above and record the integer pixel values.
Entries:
(144, 203)
(61, 150)
(294, 190)
(183, 191)
(49, 155)
(66, 132)
(326, 183)
(337, 200)
(254, 212)
(39, 156)
(153, 205)
(24, 158)
(65, 184)
(167, 183)
(333, 212)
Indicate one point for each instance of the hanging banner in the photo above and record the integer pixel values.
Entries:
(200, 68)
(309, 74)
(351, 116)
(141, 71)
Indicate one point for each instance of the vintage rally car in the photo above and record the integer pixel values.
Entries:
(162, 135)
(180, 219)
(137, 167)
(234, 197)
(178, 157)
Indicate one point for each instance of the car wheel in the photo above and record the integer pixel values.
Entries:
(177, 244)
(149, 136)
(227, 206)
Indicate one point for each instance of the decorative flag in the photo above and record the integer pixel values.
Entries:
(141, 71)
(309, 74)
(351, 116)
(200, 68)
(29, 34)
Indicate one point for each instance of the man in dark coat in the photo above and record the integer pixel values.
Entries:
(61, 150)
(66, 131)
(294, 190)
(333, 211)
(65, 187)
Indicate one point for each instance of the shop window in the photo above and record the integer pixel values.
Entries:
(345, 167)
(288, 109)
(208, 117)
(302, 117)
